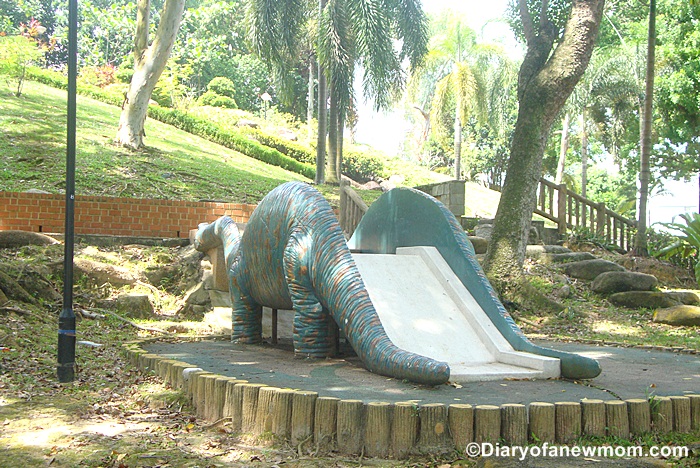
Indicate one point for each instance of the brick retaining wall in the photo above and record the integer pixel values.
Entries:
(113, 216)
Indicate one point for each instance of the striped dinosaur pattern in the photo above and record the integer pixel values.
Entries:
(293, 255)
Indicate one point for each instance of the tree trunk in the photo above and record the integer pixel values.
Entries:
(149, 64)
(545, 82)
(332, 137)
(458, 146)
(640, 243)
(310, 101)
(341, 133)
(322, 123)
(563, 149)
(584, 153)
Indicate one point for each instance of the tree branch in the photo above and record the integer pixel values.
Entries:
(143, 19)
(526, 18)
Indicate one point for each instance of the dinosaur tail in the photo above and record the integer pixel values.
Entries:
(347, 300)
(222, 232)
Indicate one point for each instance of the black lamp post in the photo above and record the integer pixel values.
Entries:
(66, 320)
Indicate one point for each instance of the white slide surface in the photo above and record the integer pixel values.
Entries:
(426, 309)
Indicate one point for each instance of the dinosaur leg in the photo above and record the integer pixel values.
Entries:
(246, 317)
(311, 331)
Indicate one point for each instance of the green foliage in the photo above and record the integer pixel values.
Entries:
(16, 54)
(584, 235)
(686, 245)
(222, 86)
(221, 92)
(361, 166)
(210, 98)
(229, 139)
(100, 76)
(291, 149)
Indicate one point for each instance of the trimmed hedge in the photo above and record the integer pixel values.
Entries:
(291, 149)
(229, 139)
(187, 123)
(362, 167)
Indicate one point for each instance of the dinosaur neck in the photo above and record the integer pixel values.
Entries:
(339, 286)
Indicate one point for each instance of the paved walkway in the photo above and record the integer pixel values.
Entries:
(627, 373)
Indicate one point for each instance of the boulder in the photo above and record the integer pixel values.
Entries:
(589, 269)
(537, 251)
(14, 239)
(684, 297)
(101, 273)
(643, 299)
(132, 305)
(621, 281)
(198, 295)
(483, 230)
(680, 315)
(566, 257)
(479, 243)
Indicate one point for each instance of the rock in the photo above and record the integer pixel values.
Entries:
(198, 295)
(589, 269)
(643, 299)
(621, 281)
(371, 185)
(102, 273)
(484, 231)
(35, 190)
(288, 135)
(566, 257)
(680, 315)
(132, 305)
(537, 251)
(397, 179)
(387, 185)
(479, 243)
(684, 297)
(14, 239)
(563, 292)
(247, 123)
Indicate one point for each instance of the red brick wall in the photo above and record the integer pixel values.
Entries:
(112, 216)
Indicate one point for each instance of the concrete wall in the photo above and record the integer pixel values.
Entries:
(112, 216)
(450, 193)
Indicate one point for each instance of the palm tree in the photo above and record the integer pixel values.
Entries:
(607, 80)
(463, 79)
(349, 32)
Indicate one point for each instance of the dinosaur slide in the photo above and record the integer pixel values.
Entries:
(406, 290)
(433, 298)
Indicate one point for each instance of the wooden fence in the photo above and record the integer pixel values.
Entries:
(352, 208)
(570, 210)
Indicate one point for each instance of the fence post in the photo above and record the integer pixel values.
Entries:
(601, 219)
(343, 210)
(561, 208)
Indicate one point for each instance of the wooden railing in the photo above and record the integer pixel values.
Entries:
(352, 208)
(570, 210)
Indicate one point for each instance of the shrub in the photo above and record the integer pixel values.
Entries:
(291, 149)
(362, 167)
(229, 139)
(685, 247)
(222, 86)
(17, 53)
(101, 76)
(210, 98)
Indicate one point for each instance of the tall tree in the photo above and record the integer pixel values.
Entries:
(640, 241)
(547, 77)
(350, 32)
(149, 63)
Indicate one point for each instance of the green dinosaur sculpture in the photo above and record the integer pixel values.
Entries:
(293, 254)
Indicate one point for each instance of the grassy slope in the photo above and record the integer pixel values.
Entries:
(175, 164)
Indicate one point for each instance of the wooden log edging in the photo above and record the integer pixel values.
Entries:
(406, 428)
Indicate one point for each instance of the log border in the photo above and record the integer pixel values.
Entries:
(630, 416)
